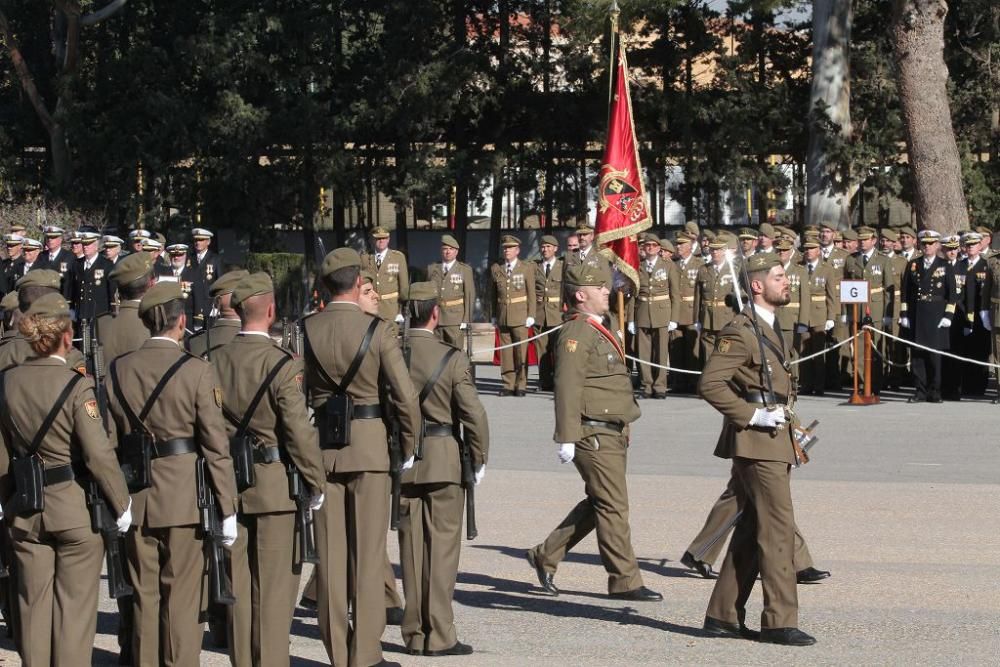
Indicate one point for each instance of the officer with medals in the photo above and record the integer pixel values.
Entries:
(392, 276)
(549, 306)
(823, 311)
(225, 327)
(594, 406)
(13, 243)
(512, 297)
(432, 497)
(684, 339)
(59, 259)
(456, 290)
(92, 285)
(713, 286)
(207, 268)
(653, 316)
(976, 343)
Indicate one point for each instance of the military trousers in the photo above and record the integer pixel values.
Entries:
(708, 543)
(265, 583)
(391, 594)
(452, 335)
(546, 347)
(683, 353)
(975, 346)
(430, 540)
(653, 346)
(58, 579)
(762, 543)
(926, 368)
(514, 360)
(601, 462)
(351, 532)
(840, 363)
(166, 567)
(812, 373)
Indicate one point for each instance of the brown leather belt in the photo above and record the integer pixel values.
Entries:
(599, 424)
(438, 430)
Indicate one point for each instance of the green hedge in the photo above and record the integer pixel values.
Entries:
(288, 273)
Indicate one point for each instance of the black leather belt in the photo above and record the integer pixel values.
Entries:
(65, 473)
(367, 412)
(435, 430)
(756, 399)
(599, 424)
(266, 454)
(174, 447)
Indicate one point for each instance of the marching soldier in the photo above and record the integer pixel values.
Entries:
(713, 284)
(684, 339)
(207, 268)
(456, 291)
(224, 329)
(549, 307)
(351, 526)
(867, 264)
(184, 420)
(59, 554)
(123, 332)
(794, 315)
(976, 344)
(512, 296)
(653, 316)
(822, 311)
(594, 407)
(926, 313)
(761, 448)
(264, 568)
(431, 505)
(30, 288)
(92, 285)
(59, 259)
(392, 277)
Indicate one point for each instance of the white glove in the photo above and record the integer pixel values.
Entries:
(984, 315)
(1, 508)
(124, 521)
(904, 322)
(316, 501)
(463, 326)
(229, 530)
(967, 331)
(944, 323)
(480, 474)
(829, 325)
(843, 319)
(399, 318)
(631, 328)
(801, 328)
(886, 322)
(566, 452)
(408, 463)
(671, 326)
(766, 418)
(530, 322)
(697, 327)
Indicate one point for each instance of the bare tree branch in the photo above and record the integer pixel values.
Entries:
(107, 11)
(24, 75)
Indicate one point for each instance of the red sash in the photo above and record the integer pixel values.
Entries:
(607, 334)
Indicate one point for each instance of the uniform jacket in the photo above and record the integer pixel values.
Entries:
(594, 258)
(187, 279)
(513, 299)
(190, 406)
(453, 400)
(335, 336)
(712, 286)
(731, 383)
(121, 333)
(684, 313)
(223, 332)
(18, 351)
(93, 291)
(992, 290)
(64, 264)
(658, 298)
(837, 259)
(392, 281)
(797, 310)
(977, 286)
(823, 300)
(928, 296)
(281, 419)
(881, 285)
(205, 273)
(549, 293)
(456, 292)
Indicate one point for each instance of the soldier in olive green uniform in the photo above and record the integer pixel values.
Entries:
(351, 526)
(824, 309)
(59, 556)
(758, 441)
(265, 574)
(165, 554)
(713, 284)
(227, 325)
(9, 307)
(512, 296)
(684, 339)
(896, 373)
(548, 308)
(587, 254)
(31, 287)
(837, 365)
(653, 316)
(392, 277)
(123, 332)
(868, 264)
(793, 315)
(594, 406)
(432, 500)
(457, 291)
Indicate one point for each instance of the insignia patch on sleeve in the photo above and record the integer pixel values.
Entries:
(724, 345)
(298, 381)
(218, 396)
(91, 408)
(571, 345)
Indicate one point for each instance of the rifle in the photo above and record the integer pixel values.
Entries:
(468, 349)
(221, 589)
(395, 445)
(208, 338)
(304, 524)
(468, 485)
(286, 333)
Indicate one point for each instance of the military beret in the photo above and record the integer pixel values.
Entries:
(583, 275)
(584, 229)
(909, 231)
(340, 258)
(112, 241)
(829, 224)
(17, 228)
(450, 241)
(708, 234)
(227, 282)
(951, 242)
(423, 291)
(201, 234)
(250, 284)
(13, 240)
(748, 233)
(762, 261)
(177, 249)
(52, 231)
(972, 238)
(665, 244)
(9, 301)
(509, 240)
(783, 244)
(133, 267)
(367, 277)
(985, 231)
(651, 238)
(889, 234)
(32, 244)
(159, 294)
(929, 236)
(691, 227)
(849, 235)
(49, 305)
(380, 233)
(785, 231)
(766, 229)
(720, 241)
(548, 239)
(39, 278)
(810, 242)
(865, 233)
(138, 234)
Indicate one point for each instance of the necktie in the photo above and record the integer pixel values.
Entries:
(864, 259)
(810, 269)
(510, 270)
(378, 262)
(548, 267)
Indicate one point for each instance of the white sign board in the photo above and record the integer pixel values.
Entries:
(854, 291)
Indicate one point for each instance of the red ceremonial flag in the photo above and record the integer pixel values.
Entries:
(622, 207)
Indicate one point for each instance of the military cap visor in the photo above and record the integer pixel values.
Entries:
(340, 258)
(32, 244)
(810, 243)
(201, 234)
(132, 268)
(665, 244)
(584, 229)
(889, 235)
(651, 239)
(227, 282)
(972, 238)
(159, 294)
(509, 241)
(682, 238)
(52, 231)
(250, 285)
(13, 241)
(380, 233)
(138, 234)
(783, 244)
(49, 305)
(929, 236)
(747, 234)
(40, 278)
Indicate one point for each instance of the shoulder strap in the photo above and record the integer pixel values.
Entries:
(243, 424)
(137, 421)
(352, 370)
(770, 345)
(436, 375)
(50, 418)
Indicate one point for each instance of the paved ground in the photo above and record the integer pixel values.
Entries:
(900, 502)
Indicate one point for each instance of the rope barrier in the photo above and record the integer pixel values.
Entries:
(522, 342)
(932, 350)
(666, 368)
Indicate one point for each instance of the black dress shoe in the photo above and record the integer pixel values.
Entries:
(393, 615)
(810, 575)
(915, 399)
(659, 394)
(719, 628)
(519, 392)
(934, 399)
(702, 568)
(545, 579)
(386, 663)
(645, 394)
(641, 594)
(505, 392)
(786, 637)
(415, 651)
(458, 649)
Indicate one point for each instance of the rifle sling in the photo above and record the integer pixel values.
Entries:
(340, 388)
(436, 375)
(50, 418)
(138, 421)
(243, 424)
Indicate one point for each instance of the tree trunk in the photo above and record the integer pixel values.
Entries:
(935, 164)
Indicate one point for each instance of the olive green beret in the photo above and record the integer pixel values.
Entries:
(49, 305)
(906, 229)
(367, 277)
(380, 233)
(227, 282)
(890, 234)
(509, 240)
(665, 244)
(340, 258)
(810, 242)
(583, 275)
(159, 294)
(251, 284)
(39, 278)
(708, 234)
(548, 239)
(783, 244)
(865, 233)
(9, 301)
(767, 229)
(762, 261)
(651, 238)
(133, 267)
(425, 291)
(829, 224)
(850, 235)
(450, 241)
(691, 227)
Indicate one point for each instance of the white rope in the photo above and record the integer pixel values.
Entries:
(666, 368)
(821, 352)
(521, 342)
(930, 349)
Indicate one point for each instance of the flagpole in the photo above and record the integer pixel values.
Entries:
(615, 11)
